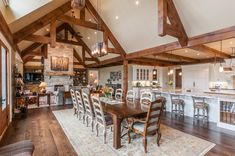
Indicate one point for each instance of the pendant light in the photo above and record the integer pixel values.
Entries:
(221, 69)
(99, 49)
(154, 72)
(78, 4)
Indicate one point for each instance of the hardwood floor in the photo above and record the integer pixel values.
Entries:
(43, 129)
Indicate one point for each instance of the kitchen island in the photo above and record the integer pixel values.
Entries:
(221, 105)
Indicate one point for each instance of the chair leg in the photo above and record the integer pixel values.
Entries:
(92, 125)
(129, 136)
(145, 144)
(105, 134)
(87, 121)
(97, 129)
(159, 135)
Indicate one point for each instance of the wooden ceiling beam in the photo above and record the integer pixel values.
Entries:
(167, 10)
(105, 62)
(27, 59)
(222, 34)
(154, 61)
(111, 37)
(177, 57)
(41, 22)
(47, 40)
(75, 54)
(87, 49)
(36, 45)
(210, 51)
(89, 59)
(53, 33)
(113, 50)
(79, 22)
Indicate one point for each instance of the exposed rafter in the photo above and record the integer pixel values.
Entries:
(110, 35)
(79, 22)
(72, 31)
(41, 22)
(177, 57)
(210, 51)
(75, 54)
(105, 62)
(167, 10)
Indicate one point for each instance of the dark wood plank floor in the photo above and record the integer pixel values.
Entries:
(42, 128)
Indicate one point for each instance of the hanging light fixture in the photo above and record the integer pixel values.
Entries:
(78, 4)
(221, 69)
(99, 49)
(154, 72)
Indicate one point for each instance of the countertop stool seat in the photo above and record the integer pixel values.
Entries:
(177, 105)
(201, 107)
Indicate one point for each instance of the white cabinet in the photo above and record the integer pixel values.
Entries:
(142, 73)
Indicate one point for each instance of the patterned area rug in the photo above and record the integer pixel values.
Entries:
(85, 142)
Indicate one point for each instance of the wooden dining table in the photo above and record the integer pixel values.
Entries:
(119, 112)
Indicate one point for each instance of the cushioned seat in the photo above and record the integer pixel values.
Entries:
(201, 105)
(22, 148)
(177, 101)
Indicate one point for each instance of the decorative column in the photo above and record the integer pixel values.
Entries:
(125, 77)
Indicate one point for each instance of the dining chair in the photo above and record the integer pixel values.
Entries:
(146, 98)
(130, 96)
(150, 126)
(101, 119)
(89, 110)
(81, 107)
(74, 100)
(119, 94)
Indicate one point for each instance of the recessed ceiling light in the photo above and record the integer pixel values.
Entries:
(230, 42)
(88, 38)
(116, 17)
(95, 32)
(90, 19)
(198, 54)
(137, 2)
(47, 29)
(186, 51)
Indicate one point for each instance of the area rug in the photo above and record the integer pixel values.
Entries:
(85, 142)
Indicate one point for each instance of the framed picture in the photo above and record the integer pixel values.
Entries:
(115, 76)
(59, 63)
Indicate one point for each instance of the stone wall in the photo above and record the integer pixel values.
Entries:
(61, 77)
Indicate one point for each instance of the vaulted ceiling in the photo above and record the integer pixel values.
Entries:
(134, 26)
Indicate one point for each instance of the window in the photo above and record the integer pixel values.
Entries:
(3, 77)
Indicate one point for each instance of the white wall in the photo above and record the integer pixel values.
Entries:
(104, 74)
(195, 77)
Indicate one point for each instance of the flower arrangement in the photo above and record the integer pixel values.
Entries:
(106, 91)
(170, 83)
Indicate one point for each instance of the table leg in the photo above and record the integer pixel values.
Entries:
(117, 132)
(38, 100)
(49, 99)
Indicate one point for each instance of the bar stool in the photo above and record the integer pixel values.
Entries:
(200, 104)
(158, 95)
(177, 104)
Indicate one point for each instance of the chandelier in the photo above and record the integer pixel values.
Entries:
(99, 49)
(78, 4)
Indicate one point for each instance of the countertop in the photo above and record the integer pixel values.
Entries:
(220, 95)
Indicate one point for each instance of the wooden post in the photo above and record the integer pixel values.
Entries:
(45, 51)
(125, 77)
(53, 33)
